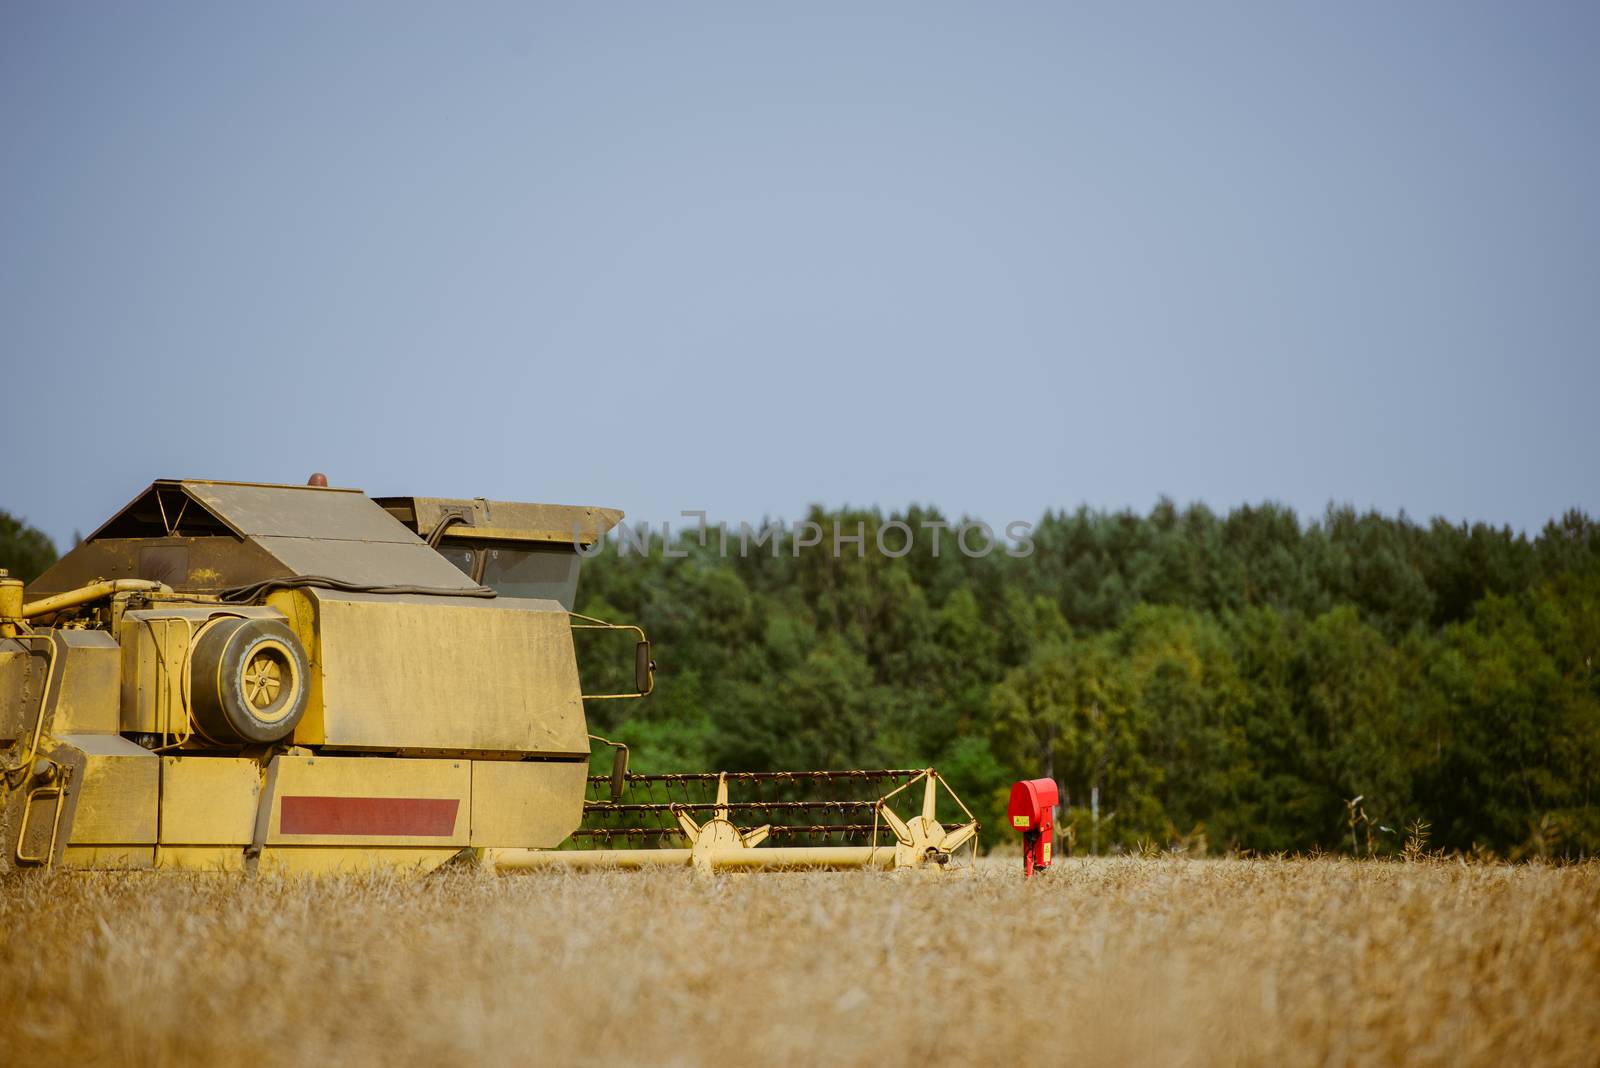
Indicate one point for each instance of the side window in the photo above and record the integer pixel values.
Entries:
(543, 571)
(459, 555)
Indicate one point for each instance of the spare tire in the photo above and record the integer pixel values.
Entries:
(247, 681)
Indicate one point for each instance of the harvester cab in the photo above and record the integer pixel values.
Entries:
(232, 676)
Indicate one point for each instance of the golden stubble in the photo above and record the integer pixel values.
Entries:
(1112, 961)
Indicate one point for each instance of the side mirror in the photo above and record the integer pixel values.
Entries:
(644, 669)
(619, 772)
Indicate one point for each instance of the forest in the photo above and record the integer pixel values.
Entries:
(1249, 682)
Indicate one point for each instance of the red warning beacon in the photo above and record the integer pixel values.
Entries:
(1032, 811)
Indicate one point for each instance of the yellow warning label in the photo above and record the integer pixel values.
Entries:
(1047, 852)
(1019, 821)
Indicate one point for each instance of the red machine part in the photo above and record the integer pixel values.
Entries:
(1032, 812)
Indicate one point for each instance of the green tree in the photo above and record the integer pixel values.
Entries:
(1186, 683)
(1068, 715)
(1360, 722)
(1519, 730)
(24, 551)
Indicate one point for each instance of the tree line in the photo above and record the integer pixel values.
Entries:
(1244, 681)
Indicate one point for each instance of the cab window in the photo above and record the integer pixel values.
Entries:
(461, 556)
(545, 571)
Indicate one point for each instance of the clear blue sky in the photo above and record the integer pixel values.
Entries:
(997, 259)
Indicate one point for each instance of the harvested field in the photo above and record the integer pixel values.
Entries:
(1138, 961)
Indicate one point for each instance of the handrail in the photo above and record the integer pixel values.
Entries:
(58, 790)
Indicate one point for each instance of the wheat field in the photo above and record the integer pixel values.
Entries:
(1116, 961)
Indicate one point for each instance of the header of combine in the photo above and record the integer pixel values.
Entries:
(230, 675)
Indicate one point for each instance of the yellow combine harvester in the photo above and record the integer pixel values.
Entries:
(296, 678)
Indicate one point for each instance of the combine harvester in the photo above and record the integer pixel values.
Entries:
(230, 676)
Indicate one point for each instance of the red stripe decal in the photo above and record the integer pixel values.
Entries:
(432, 817)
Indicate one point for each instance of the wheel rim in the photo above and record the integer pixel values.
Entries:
(262, 681)
(267, 682)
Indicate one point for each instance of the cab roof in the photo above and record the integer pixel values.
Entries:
(308, 530)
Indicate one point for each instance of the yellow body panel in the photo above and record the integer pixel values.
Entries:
(303, 861)
(327, 809)
(208, 801)
(418, 673)
(109, 858)
(200, 858)
(20, 683)
(522, 803)
(87, 701)
(338, 794)
(299, 860)
(208, 808)
(118, 794)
